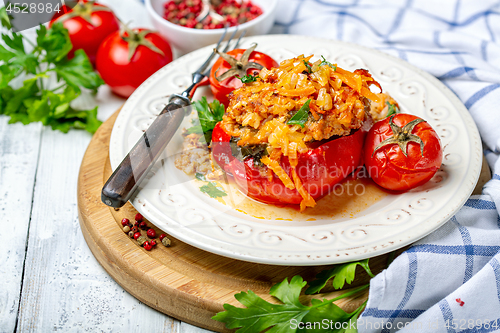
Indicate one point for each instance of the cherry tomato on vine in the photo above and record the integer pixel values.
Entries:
(126, 60)
(402, 152)
(88, 24)
(236, 63)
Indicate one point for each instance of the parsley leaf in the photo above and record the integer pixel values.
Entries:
(78, 72)
(248, 78)
(4, 18)
(341, 274)
(308, 66)
(213, 190)
(324, 62)
(259, 315)
(200, 176)
(301, 116)
(32, 101)
(209, 114)
(195, 129)
(55, 42)
(393, 109)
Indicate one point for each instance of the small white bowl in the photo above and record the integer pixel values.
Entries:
(189, 39)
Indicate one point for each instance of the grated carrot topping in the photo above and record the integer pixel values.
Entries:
(278, 170)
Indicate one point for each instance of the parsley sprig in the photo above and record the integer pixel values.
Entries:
(209, 114)
(259, 315)
(34, 100)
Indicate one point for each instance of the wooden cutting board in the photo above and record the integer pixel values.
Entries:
(181, 281)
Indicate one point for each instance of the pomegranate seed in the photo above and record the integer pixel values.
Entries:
(137, 235)
(147, 246)
(143, 225)
(138, 217)
(125, 222)
(151, 233)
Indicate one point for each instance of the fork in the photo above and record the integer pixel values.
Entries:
(127, 177)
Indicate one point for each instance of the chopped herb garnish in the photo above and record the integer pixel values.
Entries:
(325, 62)
(248, 78)
(201, 177)
(308, 66)
(213, 190)
(301, 116)
(393, 109)
(209, 114)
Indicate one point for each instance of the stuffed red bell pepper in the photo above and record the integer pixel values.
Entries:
(296, 131)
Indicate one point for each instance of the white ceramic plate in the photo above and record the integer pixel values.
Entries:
(374, 225)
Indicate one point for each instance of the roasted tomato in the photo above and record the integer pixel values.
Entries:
(88, 24)
(402, 152)
(127, 59)
(238, 62)
(319, 169)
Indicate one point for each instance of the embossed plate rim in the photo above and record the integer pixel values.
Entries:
(144, 201)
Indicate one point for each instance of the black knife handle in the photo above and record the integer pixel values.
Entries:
(125, 180)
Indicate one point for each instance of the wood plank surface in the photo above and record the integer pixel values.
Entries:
(19, 150)
(64, 288)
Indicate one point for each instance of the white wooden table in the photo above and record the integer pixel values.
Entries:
(50, 281)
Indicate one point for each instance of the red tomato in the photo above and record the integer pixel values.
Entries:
(88, 24)
(319, 169)
(124, 75)
(223, 88)
(389, 167)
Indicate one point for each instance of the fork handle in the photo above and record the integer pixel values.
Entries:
(125, 180)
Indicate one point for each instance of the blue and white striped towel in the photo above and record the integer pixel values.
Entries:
(450, 280)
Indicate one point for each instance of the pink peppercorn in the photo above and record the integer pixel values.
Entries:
(151, 233)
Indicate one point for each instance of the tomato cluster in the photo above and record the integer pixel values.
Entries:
(124, 59)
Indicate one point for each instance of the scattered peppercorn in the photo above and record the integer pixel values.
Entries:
(126, 229)
(147, 246)
(143, 225)
(165, 241)
(151, 233)
(139, 217)
(162, 236)
(152, 242)
(137, 235)
(131, 234)
(134, 229)
(125, 222)
(141, 240)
